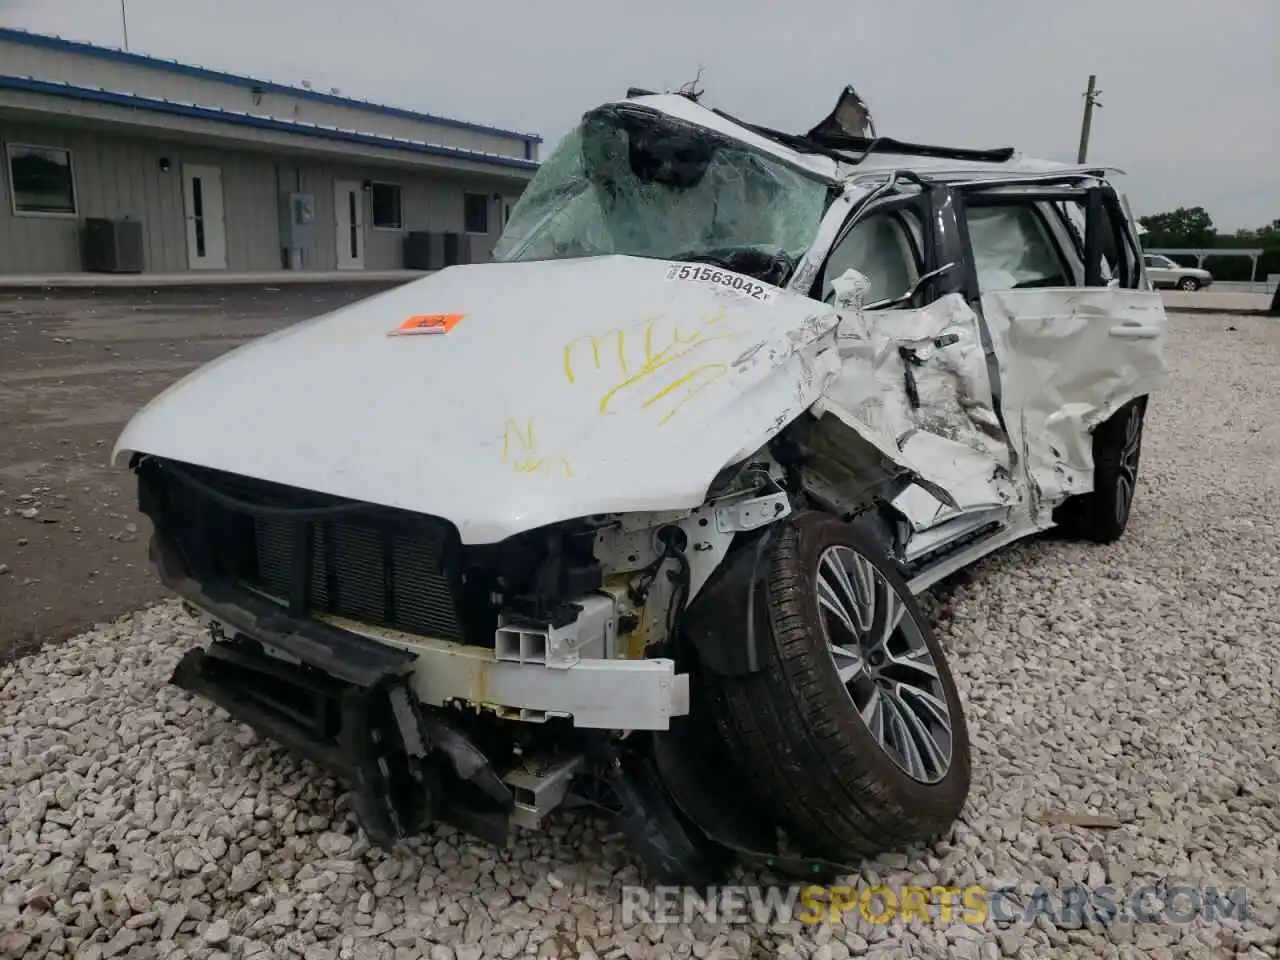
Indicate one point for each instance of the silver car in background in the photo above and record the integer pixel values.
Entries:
(1165, 273)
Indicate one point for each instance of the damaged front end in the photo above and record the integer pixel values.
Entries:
(341, 700)
(521, 609)
(480, 687)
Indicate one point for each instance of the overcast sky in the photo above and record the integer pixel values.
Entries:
(1190, 88)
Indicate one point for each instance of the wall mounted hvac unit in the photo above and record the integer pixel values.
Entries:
(113, 246)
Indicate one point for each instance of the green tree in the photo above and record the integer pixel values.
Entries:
(1186, 227)
(1268, 236)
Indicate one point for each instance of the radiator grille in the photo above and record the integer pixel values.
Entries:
(370, 574)
(388, 569)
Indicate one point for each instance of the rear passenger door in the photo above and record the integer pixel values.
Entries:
(1060, 287)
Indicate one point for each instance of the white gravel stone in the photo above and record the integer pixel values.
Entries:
(1137, 682)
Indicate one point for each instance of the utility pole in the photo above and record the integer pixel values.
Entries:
(1090, 101)
(124, 23)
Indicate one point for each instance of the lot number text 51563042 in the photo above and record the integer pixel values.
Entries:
(695, 273)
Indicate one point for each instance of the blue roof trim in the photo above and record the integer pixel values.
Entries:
(267, 86)
(262, 123)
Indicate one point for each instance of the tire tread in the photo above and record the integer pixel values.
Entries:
(795, 752)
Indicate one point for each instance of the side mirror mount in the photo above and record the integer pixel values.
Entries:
(915, 288)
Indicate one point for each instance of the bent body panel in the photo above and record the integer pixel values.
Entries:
(560, 389)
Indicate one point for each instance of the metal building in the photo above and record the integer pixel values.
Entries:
(114, 161)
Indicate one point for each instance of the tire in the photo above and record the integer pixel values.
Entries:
(1188, 283)
(1102, 515)
(794, 728)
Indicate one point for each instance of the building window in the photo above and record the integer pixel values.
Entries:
(41, 179)
(476, 212)
(385, 200)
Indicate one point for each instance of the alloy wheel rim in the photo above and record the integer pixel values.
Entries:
(1127, 475)
(884, 664)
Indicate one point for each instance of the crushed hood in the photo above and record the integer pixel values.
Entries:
(560, 389)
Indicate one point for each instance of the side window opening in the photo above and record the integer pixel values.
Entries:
(1112, 252)
(1071, 214)
(885, 246)
(1120, 257)
(1074, 217)
(1013, 248)
(1124, 248)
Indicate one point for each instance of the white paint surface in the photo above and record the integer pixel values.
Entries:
(568, 388)
(1069, 359)
(591, 386)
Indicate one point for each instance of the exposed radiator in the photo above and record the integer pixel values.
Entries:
(373, 575)
(364, 563)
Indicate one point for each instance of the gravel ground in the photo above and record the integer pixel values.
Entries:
(1136, 682)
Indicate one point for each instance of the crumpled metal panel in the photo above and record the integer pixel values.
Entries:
(595, 385)
(951, 435)
(1069, 360)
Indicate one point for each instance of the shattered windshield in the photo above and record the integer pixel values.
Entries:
(629, 180)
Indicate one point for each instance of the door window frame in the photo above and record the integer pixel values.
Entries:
(1105, 223)
(1070, 266)
(924, 248)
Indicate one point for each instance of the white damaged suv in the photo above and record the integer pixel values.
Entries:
(635, 515)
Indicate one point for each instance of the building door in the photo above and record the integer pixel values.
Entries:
(206, 228)
(348, 205)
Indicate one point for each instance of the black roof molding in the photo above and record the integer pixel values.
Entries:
(830, 140)
(827, 139)
(865, 145)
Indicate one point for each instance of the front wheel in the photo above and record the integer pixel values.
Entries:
(852, 735)
(1188, 283)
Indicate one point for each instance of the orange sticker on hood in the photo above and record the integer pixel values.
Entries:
(428, 323)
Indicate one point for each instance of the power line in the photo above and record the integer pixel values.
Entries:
(124, 24)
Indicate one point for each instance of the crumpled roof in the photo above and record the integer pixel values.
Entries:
(875, 164)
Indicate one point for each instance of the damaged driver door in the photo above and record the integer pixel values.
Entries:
(917, 365)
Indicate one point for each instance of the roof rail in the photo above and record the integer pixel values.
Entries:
(837, 146)
(844, 141)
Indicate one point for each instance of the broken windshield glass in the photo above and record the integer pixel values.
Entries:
(630, 180)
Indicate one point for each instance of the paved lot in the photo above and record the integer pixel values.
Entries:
(74, 366)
